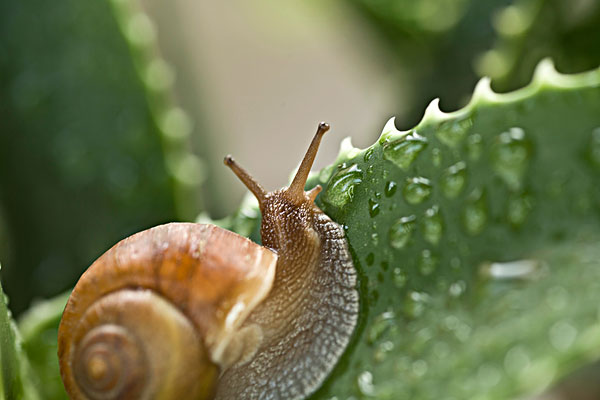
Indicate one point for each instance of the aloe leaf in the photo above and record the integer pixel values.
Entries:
(474, 235)
(15, 377)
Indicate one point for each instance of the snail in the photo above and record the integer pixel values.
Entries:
(193, 311)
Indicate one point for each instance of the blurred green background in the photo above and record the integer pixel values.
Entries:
(114, 116)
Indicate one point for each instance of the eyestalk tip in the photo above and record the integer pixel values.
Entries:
(323, 127)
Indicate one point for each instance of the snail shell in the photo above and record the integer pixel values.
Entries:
(192, 311)
(150, 315)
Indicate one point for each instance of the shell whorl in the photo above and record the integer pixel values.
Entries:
(161, 296)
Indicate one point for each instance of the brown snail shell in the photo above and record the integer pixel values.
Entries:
(142, 287)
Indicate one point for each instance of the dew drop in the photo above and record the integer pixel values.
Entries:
(370, 259)
(457, 288)
(427, 262)
(416, 304)
(399, 278)
(340, 190)
(380, 325)
(518, 208)
(474, 146)
(416, 190)
(401, 231)
(373, 207)
(474, 216)
(452, 132)
(453, 179)
(510, 156)
(562, 335)
(383, 350)
(385, 265)
(461, 330)
(375, 239)
(365, 384)
(390, 188)
(369, 154)
(436, 157)
(520, 269)
(370, 169)
(405, 150)
(432, 225)
(594, 147)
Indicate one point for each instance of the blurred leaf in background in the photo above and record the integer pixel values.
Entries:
(444, 45)
(529, 30)
(91, 147)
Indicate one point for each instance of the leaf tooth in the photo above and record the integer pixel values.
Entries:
(390, 127)
(546, 74)
(483, 92)
(347, 149)
(433, 112)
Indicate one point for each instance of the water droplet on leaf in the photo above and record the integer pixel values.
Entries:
(340, 190)
(401, 231)
(405, 150)
(518, 208)
(399, 278)
(474, 216)
(453, 179)
(373, 207)
(474, 146)
(432, 225)
(452, 132)
(416, 190)
(390, 188)
(427, 262)
(436, 157)
(520, 269)
(369, 154)
(510, 156)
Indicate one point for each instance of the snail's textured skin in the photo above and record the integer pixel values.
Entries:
(310, 313)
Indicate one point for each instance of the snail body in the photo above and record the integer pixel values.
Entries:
(194, 311)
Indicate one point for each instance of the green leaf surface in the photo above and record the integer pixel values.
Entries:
(15, 378)
(474, 235)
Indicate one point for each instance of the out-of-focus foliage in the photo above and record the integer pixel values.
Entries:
(529, 30)
(16, 381)
(443, 45)
(91, 148)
